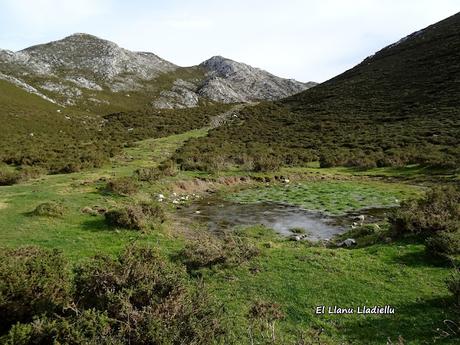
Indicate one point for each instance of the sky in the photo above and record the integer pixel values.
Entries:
(307, 40)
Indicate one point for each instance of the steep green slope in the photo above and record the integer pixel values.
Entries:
(400, 106)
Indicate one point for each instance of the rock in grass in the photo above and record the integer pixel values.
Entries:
(349, 242)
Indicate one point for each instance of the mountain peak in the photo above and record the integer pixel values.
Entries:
(94, 56)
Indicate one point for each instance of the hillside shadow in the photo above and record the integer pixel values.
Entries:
(96, 224)
(422, 259)
(423, 322)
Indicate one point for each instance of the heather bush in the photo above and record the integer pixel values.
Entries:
(438, 211)
(8, 178)
(85, 327)
(124, 186)
(135, 217)
(138, 297)
(33, 281)
(444, 243)
(49, 209)
(209, 251)
(265, 163)
(151, 299)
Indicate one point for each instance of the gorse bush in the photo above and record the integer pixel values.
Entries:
(124, 186)
(136, 298)
(434, 218)
(444, 243)
(49, 209)
(208, 251)
(437, 211)
(8, 178)
(135, 217)
(167, 168)
(87, 327)
(33, 282)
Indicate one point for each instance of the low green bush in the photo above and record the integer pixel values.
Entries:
(135, 217)
(87, 327)
(444, 243)
(33, 281)
(8, 178)
(138, 298)
(124, 186)
(151, 299)
(209, 251)
(437, 212)
(265, 163)
(49, 209)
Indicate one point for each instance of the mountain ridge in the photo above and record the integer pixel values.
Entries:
(87, 71)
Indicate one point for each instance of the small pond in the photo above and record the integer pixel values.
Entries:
(217, 214)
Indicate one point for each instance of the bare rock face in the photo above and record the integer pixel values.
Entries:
(93, 56)
(230, 81)
(82, 69)
(181, 95)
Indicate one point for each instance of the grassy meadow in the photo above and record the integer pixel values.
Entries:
(294, 276)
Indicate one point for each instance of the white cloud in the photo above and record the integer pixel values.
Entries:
(50, 14)
(302, 39)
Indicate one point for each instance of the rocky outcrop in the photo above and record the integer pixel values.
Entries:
(95, 57)
(86, 70)
(182, 95)
(229, 81)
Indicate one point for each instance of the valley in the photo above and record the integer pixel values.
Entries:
(146, 203)
(397, 274)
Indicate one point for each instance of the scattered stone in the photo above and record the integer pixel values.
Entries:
(349, 242)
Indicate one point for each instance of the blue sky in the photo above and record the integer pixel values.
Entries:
(301, 39)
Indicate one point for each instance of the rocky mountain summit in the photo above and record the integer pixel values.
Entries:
(229, 81)
(84, 70)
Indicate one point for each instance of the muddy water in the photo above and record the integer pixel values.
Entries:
(219, 215)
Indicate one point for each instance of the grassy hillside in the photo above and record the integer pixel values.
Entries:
(43, 135)
(397, 107)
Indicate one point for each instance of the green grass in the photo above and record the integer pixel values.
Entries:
(299, 278)
(80, 235)
(329, 196)
(295, 276)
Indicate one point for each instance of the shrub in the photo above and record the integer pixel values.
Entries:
(444, 243)
(30, 172)
(8, 178)
(122, 186)
(135, 217)
(210, 251)
(49, 209)
(150, 298)
(147, 174)
(438, 211)
(86, 327)
(33, 281)
(453, 284)
(168, 168)
(265, 163)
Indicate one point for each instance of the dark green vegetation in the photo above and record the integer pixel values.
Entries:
(138, 297)
(36, 133)
(135, 217)
(398, 107)
(257, 283)
(435, 219)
